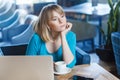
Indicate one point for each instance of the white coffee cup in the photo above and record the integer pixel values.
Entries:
(60, 67)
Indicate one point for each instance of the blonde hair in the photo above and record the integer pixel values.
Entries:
(41, 27)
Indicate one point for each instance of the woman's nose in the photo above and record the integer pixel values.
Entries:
(61, 20)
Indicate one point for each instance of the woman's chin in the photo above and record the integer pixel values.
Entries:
(63, 28)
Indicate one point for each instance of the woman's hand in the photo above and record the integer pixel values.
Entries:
(68, 28)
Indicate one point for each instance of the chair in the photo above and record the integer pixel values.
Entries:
(15, 50)
(65, 3)
(8, 12)
(26, 34)
(38, 6)
(82, 57)
(20, 49)
(84, 31)
(3, 5)
(1, 2)
(11, 22)
(30, 18)
(23, 37)
(1, 53)
(115, 37)
(14, 31)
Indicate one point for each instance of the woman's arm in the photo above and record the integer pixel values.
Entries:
(68, 50)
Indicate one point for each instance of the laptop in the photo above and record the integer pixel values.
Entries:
(26, 68)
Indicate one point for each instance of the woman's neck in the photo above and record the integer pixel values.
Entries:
(55, 36)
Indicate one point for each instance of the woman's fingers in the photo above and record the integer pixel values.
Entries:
(69, 25)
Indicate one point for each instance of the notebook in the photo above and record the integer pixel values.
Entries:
(26, 68)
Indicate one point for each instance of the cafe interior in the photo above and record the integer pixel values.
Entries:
(96, 24)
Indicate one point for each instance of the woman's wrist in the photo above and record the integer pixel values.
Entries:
(62, 35)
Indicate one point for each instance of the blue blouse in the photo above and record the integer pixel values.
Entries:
(37, 46)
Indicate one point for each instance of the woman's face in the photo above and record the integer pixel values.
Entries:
(58, 22)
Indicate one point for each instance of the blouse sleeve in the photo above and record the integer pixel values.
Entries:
(34, 45)
(71, 38)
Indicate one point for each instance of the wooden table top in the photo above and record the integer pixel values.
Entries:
(92, 70)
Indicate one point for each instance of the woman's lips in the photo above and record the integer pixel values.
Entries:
(63, 25)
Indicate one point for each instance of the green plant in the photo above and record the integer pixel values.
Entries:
(113, 21)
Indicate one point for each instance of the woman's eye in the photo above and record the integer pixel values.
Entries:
(54, 19)
(62, 16)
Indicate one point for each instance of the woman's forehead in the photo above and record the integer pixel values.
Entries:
(55, 13)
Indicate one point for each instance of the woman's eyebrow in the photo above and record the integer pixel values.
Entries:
(57, 16)
(54, 17)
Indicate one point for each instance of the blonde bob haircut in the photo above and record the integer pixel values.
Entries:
(41, 26)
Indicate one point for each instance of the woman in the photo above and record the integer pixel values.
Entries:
(53, 36)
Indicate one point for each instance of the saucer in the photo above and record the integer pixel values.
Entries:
(62, 73)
